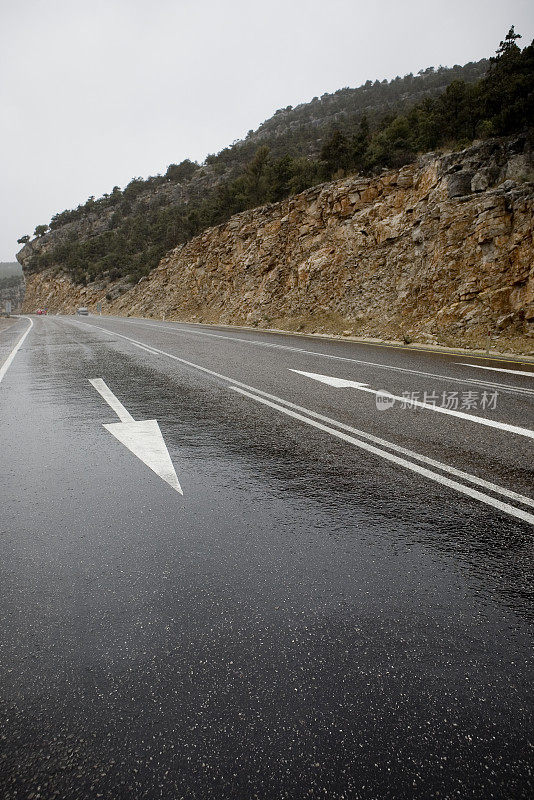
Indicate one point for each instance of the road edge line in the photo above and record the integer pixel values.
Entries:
(9, 360)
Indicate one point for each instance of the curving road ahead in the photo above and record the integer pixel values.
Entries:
(239, 564)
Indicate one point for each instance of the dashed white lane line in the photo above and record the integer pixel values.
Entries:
(363, 387)
(497, 369)
(490, 384)
(9, 360)
(234, 384)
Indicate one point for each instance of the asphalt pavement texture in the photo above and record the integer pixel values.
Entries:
(339, 605)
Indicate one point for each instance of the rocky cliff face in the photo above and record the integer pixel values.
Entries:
(440, 251)
(14, 294)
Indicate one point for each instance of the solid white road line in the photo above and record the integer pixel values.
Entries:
(492, 487)
(491, 384)
(143, 439)
(362, 387)
(7, 363)
(104, 390)
(497, 369)
(434, 476)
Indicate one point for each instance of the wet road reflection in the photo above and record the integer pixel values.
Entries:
(305, 622)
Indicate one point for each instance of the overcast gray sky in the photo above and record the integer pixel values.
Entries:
(94, 93)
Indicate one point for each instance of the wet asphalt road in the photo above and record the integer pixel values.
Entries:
(310, 619)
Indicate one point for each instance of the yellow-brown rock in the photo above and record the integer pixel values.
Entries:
(402, 254)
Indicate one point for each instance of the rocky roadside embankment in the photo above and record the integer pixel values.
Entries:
(439, 251)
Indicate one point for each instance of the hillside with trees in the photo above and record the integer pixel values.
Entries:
(8, 269)
(380, 125)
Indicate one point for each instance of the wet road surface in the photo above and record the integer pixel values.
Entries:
(339, 604)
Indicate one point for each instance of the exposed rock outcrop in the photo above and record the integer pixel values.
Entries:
(439, 251)
(13, 294)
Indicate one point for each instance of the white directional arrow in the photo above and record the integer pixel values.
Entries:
(143, 439)
(341, 383)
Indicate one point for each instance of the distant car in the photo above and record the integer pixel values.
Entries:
(41, 311)
(83, 310)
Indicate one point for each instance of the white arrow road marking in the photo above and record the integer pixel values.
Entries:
(339, 383)
(7, 363)
(168, 328)
(497, 369)
(103, 389)
(143, 439)
(363, 387)
(287, 407)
